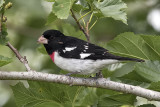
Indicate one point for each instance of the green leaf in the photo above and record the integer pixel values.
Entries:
(155, 86)
(135, 77)
(77, 7)
(125, 69)
(1, 3)
(112, 8)
(105, 92)
(84, 3)
(70, 30)
(149, 70)
(138, 46)
(3, 35)
(61, 8)
(4, 60)
(147, 105)
(3, 40)
(125, 98)
(47, 104)
(87, 97)
(45, 94)
(51, 18)
(116, 100)
(37, 94)
(110, 98)
(153, 43)
(42, 50)
(50, 0)
(131, 82)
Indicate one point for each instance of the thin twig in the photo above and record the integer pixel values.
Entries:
(87, 30)
(83, 20)
(84, 15)
(90, 82)
(92, 25)
(80, 27)
(90, 17)
(19, 56)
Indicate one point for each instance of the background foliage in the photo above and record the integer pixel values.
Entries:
(108, 20)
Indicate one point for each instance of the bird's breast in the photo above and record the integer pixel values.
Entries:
(52, 56)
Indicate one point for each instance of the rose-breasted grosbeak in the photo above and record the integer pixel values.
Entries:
(77, 56)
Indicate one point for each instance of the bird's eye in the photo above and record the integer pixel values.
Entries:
(51, 38)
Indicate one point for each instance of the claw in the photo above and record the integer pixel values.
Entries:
(99, 75)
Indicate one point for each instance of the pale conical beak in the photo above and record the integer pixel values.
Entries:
(42, 40)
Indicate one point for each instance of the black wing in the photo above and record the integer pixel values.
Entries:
(88, 50)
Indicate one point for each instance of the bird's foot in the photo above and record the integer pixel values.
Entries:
(98, 75)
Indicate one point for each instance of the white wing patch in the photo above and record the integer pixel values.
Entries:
(69, 49)
(84, 55)
(84, 50)
(85, 46)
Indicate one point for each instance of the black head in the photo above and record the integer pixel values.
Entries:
(50, 34)
(52, 40)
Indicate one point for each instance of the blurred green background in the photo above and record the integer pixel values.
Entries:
(27, 21)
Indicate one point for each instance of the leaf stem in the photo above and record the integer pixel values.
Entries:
(83, 20)
(84, 16)
(92, 25)
(91, 17)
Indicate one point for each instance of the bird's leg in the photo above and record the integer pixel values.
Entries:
(68, 74)
(99, 74)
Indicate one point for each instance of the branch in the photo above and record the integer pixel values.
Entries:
(21, 59)
(80, 27)
(100, 83)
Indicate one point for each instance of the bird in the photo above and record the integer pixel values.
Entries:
(78, 56)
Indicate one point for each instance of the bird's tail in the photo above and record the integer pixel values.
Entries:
(121, 58)
(130, 59)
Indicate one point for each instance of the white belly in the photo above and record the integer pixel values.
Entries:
(83, 66)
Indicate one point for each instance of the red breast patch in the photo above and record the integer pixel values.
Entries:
(52, 56)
